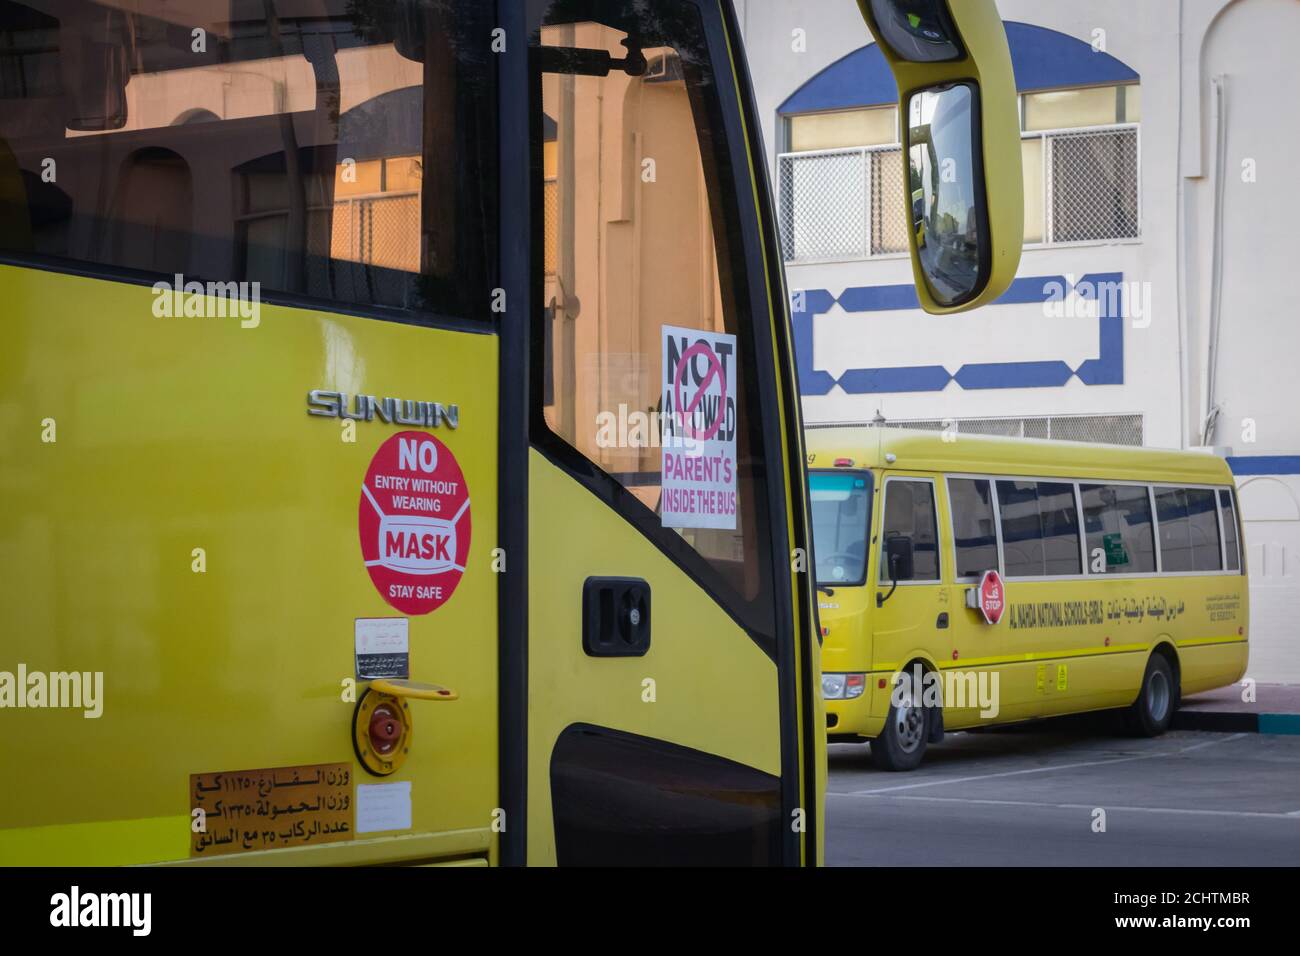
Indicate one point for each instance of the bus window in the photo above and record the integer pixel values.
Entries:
(641, 233)
(975, 536)
(1229, 520)
(1189, 530)
(1117, 521)
(909, 513)
(1040, 528)
(841, 509)
(291, 151)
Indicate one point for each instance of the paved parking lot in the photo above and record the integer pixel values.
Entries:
(1027, 797)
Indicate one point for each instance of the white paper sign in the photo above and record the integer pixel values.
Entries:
(383, 647)
(699, 425)
(383, 806)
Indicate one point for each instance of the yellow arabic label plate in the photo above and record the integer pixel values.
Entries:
(247, 810)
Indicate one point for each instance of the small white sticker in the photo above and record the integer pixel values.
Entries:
(383, 647)
(383, 806)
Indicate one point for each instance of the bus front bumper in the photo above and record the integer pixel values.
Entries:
(852, 718)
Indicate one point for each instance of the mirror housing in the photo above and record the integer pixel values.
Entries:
(939, 45)
(409, 30)
(96, 74)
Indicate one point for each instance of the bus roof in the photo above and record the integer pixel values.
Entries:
(916, 450)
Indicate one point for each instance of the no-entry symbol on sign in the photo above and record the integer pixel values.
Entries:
(688, 404)
(414, 522)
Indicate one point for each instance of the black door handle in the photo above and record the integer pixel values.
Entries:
(615, 617)
(942, 620)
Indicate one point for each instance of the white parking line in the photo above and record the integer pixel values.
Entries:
(1081, 806)
(1014, 773)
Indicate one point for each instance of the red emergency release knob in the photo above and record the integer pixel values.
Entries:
(385, 729)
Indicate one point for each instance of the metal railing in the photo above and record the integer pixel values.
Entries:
(1091, 183)
(836, 204)
(550, 224)
(379, 230)
(1097, 429)
(841, 203)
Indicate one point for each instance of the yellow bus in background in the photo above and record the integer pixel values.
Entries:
(970, 581)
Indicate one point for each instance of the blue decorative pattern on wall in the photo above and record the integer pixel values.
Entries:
(1042, 59)
(1106, 369)
(1265, 464)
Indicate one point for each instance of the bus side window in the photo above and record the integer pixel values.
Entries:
(975, 537)
(1189, 530)
(1040, 528)
(302, 150)
(1229, 514)
(1117, 522)
(1203, 523)
(909, 513)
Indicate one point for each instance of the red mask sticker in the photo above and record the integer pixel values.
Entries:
(414, 522)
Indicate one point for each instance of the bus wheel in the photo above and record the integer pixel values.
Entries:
(1152, 712)
(901, 745)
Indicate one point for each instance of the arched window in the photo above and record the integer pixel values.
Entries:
(152, 213)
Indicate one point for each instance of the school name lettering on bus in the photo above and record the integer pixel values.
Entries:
(1056, 614)
(1223, 607)
(1140, 609)
(391, 411)
(1090, 613)
(244, 810)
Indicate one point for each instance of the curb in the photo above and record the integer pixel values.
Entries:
(1279, 723)
(1218, 721)
(1229, 722)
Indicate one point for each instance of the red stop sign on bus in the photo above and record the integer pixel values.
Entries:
(992, 597)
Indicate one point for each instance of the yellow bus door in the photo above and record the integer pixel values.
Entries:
(981, 689)
(913, 611)
(669, 701)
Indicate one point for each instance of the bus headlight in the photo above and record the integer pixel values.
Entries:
(843, 686)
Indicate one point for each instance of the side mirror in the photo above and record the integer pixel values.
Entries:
(900, 558)
(961, 151)
(899, 564)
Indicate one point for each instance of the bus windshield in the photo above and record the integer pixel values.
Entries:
(841, 506)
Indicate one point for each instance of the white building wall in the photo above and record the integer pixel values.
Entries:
(1185, 357)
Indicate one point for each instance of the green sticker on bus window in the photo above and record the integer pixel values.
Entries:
(1116, 553)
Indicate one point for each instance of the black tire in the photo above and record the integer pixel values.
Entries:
(901, 745)
(1153, 711)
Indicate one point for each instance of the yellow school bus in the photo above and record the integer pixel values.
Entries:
(966, 581)
(402, 457)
